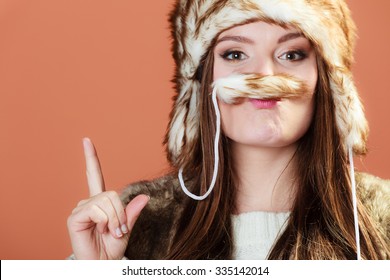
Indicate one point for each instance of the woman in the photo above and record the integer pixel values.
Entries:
(278, 181)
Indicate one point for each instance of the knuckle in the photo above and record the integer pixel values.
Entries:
(105, 199)
(113, 220)
(82, 202)
(69, 221)
(122, 216)
(112, 194)
(92, 208)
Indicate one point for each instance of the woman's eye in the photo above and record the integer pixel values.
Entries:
(234, 56)
(293, 55)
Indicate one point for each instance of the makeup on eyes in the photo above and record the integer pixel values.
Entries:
(236, 55)
(288, 55)
(242, 53)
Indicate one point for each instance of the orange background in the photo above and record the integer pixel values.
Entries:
(71, 68)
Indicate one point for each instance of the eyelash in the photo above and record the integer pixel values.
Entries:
(228, 53)
(300, 53)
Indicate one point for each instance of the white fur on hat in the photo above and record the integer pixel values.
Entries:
(326, 23)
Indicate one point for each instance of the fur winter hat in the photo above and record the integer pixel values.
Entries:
(326, 23)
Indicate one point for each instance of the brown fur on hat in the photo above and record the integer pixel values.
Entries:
(326, 23)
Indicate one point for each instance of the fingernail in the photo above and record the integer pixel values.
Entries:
(119, 232)
(85, 140)
(124, 228)
(86, 143)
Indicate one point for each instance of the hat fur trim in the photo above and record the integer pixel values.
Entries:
(326, 23)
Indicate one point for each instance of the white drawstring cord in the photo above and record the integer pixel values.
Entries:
(215, 173)
(354, 202)
(216, 154)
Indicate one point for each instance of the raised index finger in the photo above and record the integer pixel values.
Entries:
(94, 172)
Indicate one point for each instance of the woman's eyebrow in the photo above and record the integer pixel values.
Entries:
(239, 39)
(289, 36)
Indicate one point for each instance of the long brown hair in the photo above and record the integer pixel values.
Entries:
(321, 224)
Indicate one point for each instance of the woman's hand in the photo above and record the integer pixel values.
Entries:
(99, 227)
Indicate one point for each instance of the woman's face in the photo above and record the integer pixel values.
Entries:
(266, 49)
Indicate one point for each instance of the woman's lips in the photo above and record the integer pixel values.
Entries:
(264, 103)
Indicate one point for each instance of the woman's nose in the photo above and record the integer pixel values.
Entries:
(264, 67)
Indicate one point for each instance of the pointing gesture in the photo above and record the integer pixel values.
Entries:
(94, 172)
(99, 227)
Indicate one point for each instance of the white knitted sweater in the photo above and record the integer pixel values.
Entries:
(254, 233)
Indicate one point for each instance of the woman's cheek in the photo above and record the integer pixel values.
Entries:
(297, 116)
